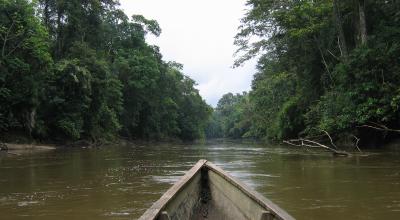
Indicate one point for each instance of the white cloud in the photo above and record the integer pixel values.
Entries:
(199, 34)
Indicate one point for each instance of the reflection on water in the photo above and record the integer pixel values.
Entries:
(120, 182)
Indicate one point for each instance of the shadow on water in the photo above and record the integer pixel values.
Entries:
(121, 182)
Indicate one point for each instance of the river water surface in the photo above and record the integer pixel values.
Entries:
(121, 182)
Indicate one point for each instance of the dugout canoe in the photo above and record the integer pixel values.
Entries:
(208, 192)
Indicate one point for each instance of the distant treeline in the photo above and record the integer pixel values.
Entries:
(78, 69)
(323, 66)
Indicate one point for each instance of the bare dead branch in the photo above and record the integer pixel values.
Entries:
(356, 144)
(323, 135)
(313, 144)
(337, 58)
(330, 138)
(323, 59)
(379, 125)
(379, 128)
(291, 143)
(340, 48)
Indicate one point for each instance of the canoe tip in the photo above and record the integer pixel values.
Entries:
(202, 161)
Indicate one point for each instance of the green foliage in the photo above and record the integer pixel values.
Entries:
(193, 112)
(306, 81)
(105, 79)
(289, 119)
(367, 91)
(149, 25)
(231, 117)
(68, 99)
(275, 92)
(24, 63)
(214, 126)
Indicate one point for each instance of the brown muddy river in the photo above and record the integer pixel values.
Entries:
(121, 182)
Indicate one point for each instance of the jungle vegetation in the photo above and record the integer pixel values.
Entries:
(81, 69)
(72, 70)
(323, 66)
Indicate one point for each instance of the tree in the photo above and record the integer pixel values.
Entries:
(106, 80)
(24, 63)
(319, 69)
(362, 22)
(75, 21)
(231, 118)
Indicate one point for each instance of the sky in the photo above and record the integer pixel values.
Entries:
(199, 34)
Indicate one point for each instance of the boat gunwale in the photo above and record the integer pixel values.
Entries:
(155, 210)
(254, 195)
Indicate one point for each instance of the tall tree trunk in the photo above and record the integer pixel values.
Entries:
(362, 22)
(339, 26)
(30, 120)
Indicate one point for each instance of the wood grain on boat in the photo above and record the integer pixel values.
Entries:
(208, 192)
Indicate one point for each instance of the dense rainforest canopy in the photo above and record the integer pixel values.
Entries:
(324, 65)
(78, 69)
(73, 70)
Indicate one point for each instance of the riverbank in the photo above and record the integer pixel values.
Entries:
(24, 144)
(12, 147)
